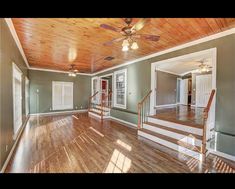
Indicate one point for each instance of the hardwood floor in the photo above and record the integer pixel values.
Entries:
(78, 143)
(181, 113)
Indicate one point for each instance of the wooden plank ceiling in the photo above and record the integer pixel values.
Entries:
(56, 43)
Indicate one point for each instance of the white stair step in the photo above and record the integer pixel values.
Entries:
(99, 111)
(104, 108)
(182, 127)
(94, 114)
(190, 139)
(181, 149)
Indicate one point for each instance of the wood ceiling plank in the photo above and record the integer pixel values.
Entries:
(51, 42)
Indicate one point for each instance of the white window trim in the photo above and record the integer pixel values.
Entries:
(26, 103)
(19, 75)
(115, 93)
(53, 105)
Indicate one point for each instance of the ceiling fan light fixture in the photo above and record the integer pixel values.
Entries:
(125, 43)
(125, 48)
(134, 46)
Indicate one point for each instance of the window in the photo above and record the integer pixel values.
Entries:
(26, 96)
(17, 99)
(62, 95)
(120, 82)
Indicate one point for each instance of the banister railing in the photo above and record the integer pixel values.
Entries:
(105, 103)
(143, 109)
(205, 116)
(90, 100)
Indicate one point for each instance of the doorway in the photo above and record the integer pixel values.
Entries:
(105, 91)
(188, 66)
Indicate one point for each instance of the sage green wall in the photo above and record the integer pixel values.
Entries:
(166, 91)
(139, 79)
(41, 102)
(9, 53)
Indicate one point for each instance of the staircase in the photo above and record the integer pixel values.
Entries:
(189, 139)
(96, 111)
(102, 110)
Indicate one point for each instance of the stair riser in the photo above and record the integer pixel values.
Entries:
(99, 112)
(104, 108)
(184, 138)
(97, 116)
(173, 146)
(176, 126)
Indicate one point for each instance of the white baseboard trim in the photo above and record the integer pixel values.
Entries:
(132, 125)
(14, 145)
(165, 105)
(60, 112)
(221, 154)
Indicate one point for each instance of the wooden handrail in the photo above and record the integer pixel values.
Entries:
(146, 96)
(90, 97)
(207, 109)
(140, 105)
(94, 94)
(205, 116)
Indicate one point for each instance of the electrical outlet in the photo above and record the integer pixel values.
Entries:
(76, 107)
(81, 107)
(50, 109)
(6, 148)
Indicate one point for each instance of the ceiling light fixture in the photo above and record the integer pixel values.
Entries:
(125, 45)
(134, 46)
(72, 71)
(203, 68)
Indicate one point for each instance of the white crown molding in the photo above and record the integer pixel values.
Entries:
(162, 70)
(15, 36)
(56, 71)
(195, 42)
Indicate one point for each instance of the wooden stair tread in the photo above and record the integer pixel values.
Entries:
(199, 126)
(174, 130)
(172, 140)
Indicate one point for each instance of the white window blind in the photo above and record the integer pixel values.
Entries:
(62, 95)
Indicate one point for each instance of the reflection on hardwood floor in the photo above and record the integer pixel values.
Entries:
(78, 143)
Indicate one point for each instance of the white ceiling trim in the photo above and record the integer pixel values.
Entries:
(166, 71)
(56, 71)
(195, 42)
(15, 36)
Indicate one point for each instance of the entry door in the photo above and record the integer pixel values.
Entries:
(95, 86)
(17, 98)
(184, 91)
(26, 96)
(104, 90)
(203, 89)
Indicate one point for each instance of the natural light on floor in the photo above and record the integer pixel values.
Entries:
(118, 163)
(124, 145)
(97, 132)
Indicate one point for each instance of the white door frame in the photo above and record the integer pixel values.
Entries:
(213, 53)
(98, 88)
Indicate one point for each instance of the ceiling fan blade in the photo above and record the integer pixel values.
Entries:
(113, 41)
(147, 37)
(105, 26)
(140, 24)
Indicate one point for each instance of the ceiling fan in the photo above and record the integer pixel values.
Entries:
(129, 33)
(203, 68)
(72, 71)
